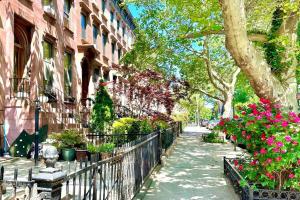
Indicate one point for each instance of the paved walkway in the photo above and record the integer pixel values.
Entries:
(193, 171)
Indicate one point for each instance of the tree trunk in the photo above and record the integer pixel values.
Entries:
(228, 111)
(252, 62)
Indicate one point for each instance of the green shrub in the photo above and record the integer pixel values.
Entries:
(102, 112)
(103, 148)
(212, 138)
(69, 138)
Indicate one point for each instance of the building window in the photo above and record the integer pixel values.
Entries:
(123, 31)
(119, 53)
(118, 24)
(48, 50)
(113, 48)
(67, 8)
(96, 75)
(48, 65)
(104, 39)
(83, 25)
(48, 6)
(112, 16)
(68, 74)
(95, 34)
(103, 5)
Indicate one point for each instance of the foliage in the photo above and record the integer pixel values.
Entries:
(102, 148)
(102, 111)
(212, 137)
(148, 91)
(272, 138)
(69, 138)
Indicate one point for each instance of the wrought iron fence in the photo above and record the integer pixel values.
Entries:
(248, 193)
(19, 88)
(118, 177)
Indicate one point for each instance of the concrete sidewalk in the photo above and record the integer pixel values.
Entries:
(193, 171)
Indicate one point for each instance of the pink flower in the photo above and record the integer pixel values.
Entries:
(268, 113)
(244, 133)
(269, 160)
(268, 126)
(270, 141)
(248, 137)
(259, 117)
(269, 175)
(278, 159)
(284, 124)
(252, 106)
(279, 144)
(263, 151)
(277, 106)
(295, 143)
(298, 161)
(292, 114)
(296, 120)
(276, 150)
(288, 138)
(291, 175)
(244, 113)
(255, 153)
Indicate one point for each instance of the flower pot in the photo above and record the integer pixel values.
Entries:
(94, 157)
(81, 154)
(68, 154)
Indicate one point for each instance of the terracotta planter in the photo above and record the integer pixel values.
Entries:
(81, 155)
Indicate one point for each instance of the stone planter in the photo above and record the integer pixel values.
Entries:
(247, 193)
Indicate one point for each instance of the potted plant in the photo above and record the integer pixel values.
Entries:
(82, 152)
(92, 151)
(67, 141)
(106, 150)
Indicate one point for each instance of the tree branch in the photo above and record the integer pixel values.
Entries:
(210, 95)
(212, 74)
(234, 77)
(254, 37)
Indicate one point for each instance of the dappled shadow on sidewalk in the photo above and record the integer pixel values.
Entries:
(193, 171)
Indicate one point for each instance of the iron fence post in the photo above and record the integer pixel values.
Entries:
(36, 136)
(159, 148)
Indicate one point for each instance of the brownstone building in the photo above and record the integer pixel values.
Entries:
(55, 51)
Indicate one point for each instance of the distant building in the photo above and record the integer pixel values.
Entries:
(56, 51)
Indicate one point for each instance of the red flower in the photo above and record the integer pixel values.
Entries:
(263, 151)
(234, 137)
(236, 162)
(263, 136)
(264, 101)
(269, 175)
(278, 159)
(241, 167)
(235, 117)
(243, 112)
(248, 137)
(221, 123)
(278, 116)
(284, 124)
(269, 160)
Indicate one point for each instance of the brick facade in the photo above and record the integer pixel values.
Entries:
(36, 38)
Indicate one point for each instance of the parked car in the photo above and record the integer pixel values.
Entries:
(204, 123)
(212, 123)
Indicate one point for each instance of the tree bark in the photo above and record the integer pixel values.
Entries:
(251, 62)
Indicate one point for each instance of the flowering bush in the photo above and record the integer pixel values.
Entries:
(272, 138)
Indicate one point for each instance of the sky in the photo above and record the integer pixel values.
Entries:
(135, 11)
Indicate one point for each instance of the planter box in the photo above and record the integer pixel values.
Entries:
(247, 193)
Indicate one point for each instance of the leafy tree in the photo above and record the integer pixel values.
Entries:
(102, 112)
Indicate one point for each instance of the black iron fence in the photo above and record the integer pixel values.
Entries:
(20, 88)
(118, 177)
(247, 192)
